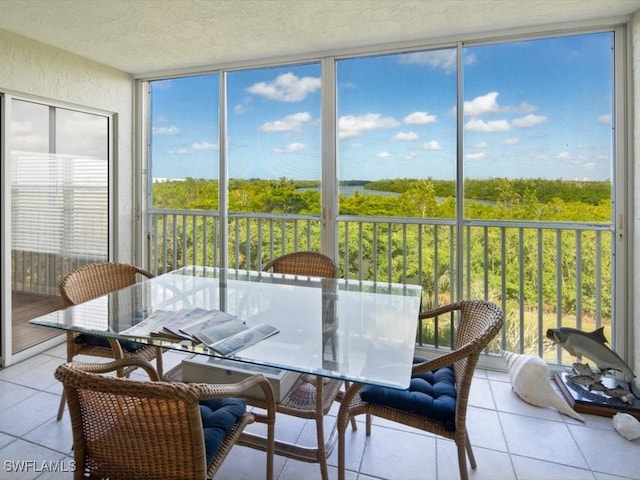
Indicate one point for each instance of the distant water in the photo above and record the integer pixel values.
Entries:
(349, 190)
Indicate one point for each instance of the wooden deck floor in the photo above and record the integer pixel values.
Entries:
(24, 308)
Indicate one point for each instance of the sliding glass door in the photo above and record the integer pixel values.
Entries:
(59, 163)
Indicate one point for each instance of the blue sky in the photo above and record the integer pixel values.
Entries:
(532, 109)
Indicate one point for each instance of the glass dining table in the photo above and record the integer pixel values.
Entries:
(343, 329)
(336, 331)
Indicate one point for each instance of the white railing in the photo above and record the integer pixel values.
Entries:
(543, 274)
(40, 273)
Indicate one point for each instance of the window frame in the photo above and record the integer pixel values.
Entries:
(622, 181)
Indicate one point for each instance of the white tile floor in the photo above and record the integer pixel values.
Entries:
(511, 439)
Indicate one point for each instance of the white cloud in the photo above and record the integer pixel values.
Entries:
(564, 156)
(204, 146)
(165, 130)
(290, 123)
(180, 151)
(243, 106)
(482, 105)
(432, 145)
(445, 59)
(606, 119)
(511, 141)
(529, 121)
(474, 156)
(419, 118)
(291, 148)
(196, 146)
(523, 107)
(299, 117)
(351, 126)
(383, 154)
(406, 136)
(479, 145)
(477, 125)
(286, 88)
(488, 104)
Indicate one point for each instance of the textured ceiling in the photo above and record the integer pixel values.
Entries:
(142, 36)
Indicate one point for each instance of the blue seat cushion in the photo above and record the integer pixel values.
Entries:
(431, 394)
(98, 341)
(219, 415)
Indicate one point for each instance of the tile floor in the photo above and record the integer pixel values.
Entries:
(511, 439)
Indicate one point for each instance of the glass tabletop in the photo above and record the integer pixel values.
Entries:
(344, 329)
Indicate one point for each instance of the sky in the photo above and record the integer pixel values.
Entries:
(531, 109)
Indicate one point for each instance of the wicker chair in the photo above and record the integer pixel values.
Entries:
(311, 264)
(478, 323)
(135, 429)
(298, 403)
(92, 281)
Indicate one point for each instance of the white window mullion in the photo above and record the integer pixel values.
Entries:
(329, 241)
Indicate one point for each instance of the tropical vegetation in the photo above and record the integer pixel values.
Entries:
(541, 248)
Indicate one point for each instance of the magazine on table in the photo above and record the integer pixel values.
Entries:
(189, 321)
(232, 336)
(150, 325)
(178, 324)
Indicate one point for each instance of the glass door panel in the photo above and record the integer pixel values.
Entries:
(538, 178)
(397, 159)
(184, 173)
(59, 205)
(274, 162)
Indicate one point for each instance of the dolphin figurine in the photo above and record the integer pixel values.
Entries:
(590, 345)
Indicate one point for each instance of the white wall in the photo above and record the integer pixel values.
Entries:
(34, 69)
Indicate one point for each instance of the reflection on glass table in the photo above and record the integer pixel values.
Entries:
(374, 323)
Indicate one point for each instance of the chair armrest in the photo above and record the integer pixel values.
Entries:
(450, 307)
(219, 390)
(107, 367)
(448, 358)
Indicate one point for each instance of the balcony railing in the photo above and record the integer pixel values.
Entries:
(543, 275)
(40, 273)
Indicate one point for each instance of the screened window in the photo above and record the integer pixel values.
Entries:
(477, 170)
(274, 139)
(184, 136)
(396, 130)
